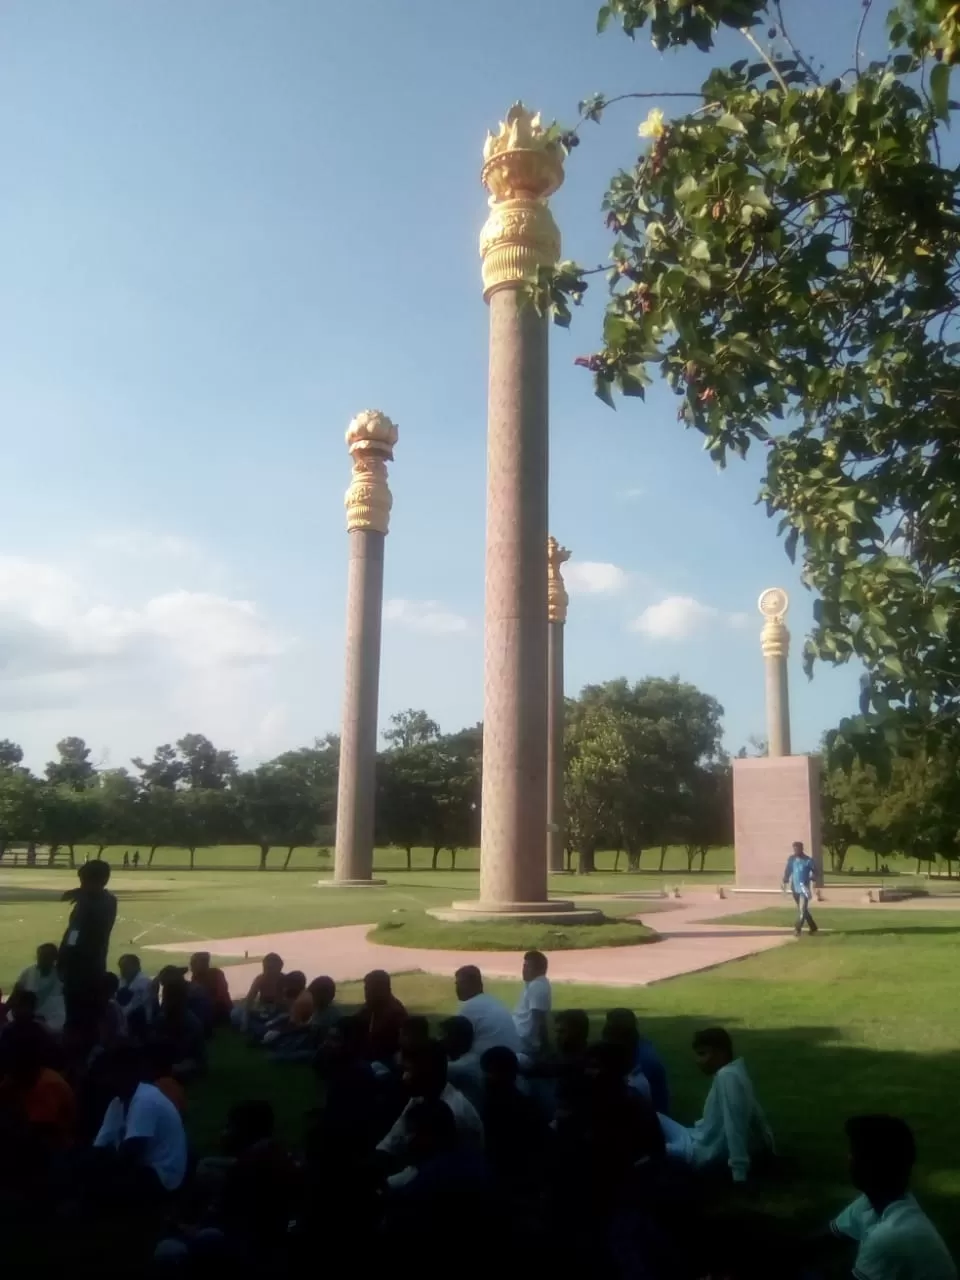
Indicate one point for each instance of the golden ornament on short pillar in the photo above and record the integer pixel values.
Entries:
(370, 439)
(522, 167)
(557, 598)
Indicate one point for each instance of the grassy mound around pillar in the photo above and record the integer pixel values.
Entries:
(418, 929)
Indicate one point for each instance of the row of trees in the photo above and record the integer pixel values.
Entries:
(644, 769)
(910, 809)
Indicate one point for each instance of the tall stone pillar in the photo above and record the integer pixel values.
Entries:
(775, 643)
(523, 166)
(370, 439)
(557, 601)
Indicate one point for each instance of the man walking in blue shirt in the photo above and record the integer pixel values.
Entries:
(799, 875)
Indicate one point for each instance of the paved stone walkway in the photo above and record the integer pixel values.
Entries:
(344, 953)
(689, 945)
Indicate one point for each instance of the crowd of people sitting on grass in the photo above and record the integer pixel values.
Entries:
(493, 1139)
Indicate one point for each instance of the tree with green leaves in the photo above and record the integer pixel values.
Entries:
(67, 818)
(786, 257)
(205, 768)
(659, 735)
(11, 754)
(411, 728)
(20, 808)
(165, 771)
(73, 767)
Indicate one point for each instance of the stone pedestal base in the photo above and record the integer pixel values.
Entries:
(776, 800)
(554, 912)
(350, 884)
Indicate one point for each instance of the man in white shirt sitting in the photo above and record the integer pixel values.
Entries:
(135, 994)
(895, 1238)
(425, 1080)
(143, 1129)
(531, 1017)
(492, 1021)
(733, 1127)
(44, 981)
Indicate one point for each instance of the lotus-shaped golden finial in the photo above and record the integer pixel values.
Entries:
(522, 159)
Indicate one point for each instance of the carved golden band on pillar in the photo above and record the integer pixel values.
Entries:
(557, 598)
(370, 439)
(774, 638)
(522, 167)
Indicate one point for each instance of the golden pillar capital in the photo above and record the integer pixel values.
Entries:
(774, 638)
(557, 598)
(370, 439)
(522, 167)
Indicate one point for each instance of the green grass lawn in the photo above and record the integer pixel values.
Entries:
(179, 906)
(718, 868)
(417, 929)
(865, 1019)
(862, 1018)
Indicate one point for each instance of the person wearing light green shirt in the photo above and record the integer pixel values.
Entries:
(895, 1239)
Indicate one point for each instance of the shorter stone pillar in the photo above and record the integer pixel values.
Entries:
(775, 643)
(557, 601)
(370, 439)
(776, 800)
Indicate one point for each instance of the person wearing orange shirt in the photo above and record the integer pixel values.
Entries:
(42, 1096)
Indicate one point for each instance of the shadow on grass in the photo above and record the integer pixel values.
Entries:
(806, 1078)
(879, 931)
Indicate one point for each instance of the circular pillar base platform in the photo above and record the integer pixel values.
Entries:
(350, 884)
(552, 912)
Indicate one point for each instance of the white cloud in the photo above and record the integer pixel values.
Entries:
(679, 617)
(631, 495)
(594, 577)
(674, 618)
(138, 544)
(89, 657)
(423, 615)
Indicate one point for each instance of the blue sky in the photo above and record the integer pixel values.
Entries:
(226, 226)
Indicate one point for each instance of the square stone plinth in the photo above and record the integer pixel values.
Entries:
(776, 800)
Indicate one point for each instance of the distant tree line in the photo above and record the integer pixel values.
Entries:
(645, 771)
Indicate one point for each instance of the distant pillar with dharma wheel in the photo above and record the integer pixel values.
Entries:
(557, 601)
(371, 437)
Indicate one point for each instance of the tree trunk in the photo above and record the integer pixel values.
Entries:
(264, 852)
(876, 861)
(918, 866)
(193, 854)
(691, 854)
(568, 854)
(704, 850)
(153, 850)
(286, 861)
(633, 859)
(663, 854)
(453, 859)
(587, 863)
(51, 854)
(73, 856)
(616, 860)
(409, 849)
(436, 857)
(100, 849)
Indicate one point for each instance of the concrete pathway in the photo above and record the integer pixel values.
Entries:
(343, 952)
(689, 945)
